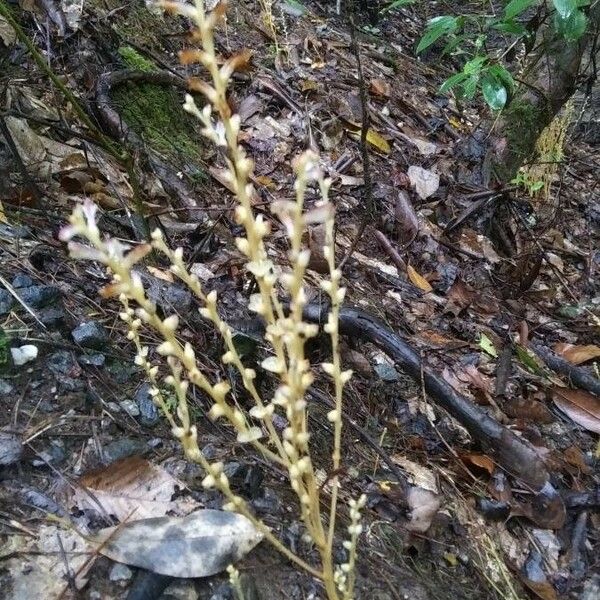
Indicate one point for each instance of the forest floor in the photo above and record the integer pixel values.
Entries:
(472, 278)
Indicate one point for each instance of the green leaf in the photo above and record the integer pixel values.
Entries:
(494, 92)
(396, 4)
(437, 28)
(516, 7)
(511, 27)
(469, 87)
(503, 75)
(474, 66)
(528, 359)
(452, 82)
(294, 8)
(571, 28)
(487, 346)
(456, 41)
(565, 8)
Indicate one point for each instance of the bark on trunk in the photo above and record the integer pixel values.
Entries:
(549, 80)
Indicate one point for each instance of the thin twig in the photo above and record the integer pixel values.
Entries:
(367, 195)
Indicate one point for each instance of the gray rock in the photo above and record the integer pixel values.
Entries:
(6, 388)
(11, 448)
(122, 448)
(181, 590)
(22, 280)
(120, 572)
(7, 301)
(90, 334)
(52, 317)
(93, 360)
(61, 363)
(54, 455)
(130, 407)
(386, 372)
(14, 231)
(169, 297)
(38, 296)
(149, 414)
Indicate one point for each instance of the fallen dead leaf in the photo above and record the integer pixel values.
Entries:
(580, 406)
(418, 279)
(379, 87)
(407, 222)
(577, 355)
(132, 488)
(199, 545)
(424, 505)
(480, 460)
(425, 182)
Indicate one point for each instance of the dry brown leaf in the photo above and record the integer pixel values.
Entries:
(580, 406)
(577, 355)
(480, 460)
(575, 457)
(418, 279)
(379, 87)
(161, 274)
(407, 222)
(131, 488)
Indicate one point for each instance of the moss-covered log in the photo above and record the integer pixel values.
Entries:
(550, 78)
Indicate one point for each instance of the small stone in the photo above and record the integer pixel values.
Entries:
(24, 354)
(54, 455)
(90, 334)
(11, 448)
(14, 231)
(21, 280)
(7, 301)
(210, 452)
(38, 296)
(52, 317)
(122, 448)
(245, 477)
(386, 372)
(223, 592)
(130, 407)
(267, 503)
(61, 363)
(148, 411)
(120, 572)
(92, 360)
(6, 389)
(170, 297)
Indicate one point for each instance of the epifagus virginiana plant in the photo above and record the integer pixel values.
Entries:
(286, 331)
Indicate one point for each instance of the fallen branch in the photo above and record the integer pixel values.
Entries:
(579, 376)
(510, 451)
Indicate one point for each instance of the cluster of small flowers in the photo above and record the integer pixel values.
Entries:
(344, 573)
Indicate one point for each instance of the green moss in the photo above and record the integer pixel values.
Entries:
(155, 114)
(524, 122)
(134, 60)
(140, 25)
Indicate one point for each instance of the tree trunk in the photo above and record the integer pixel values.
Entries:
(548, 81)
